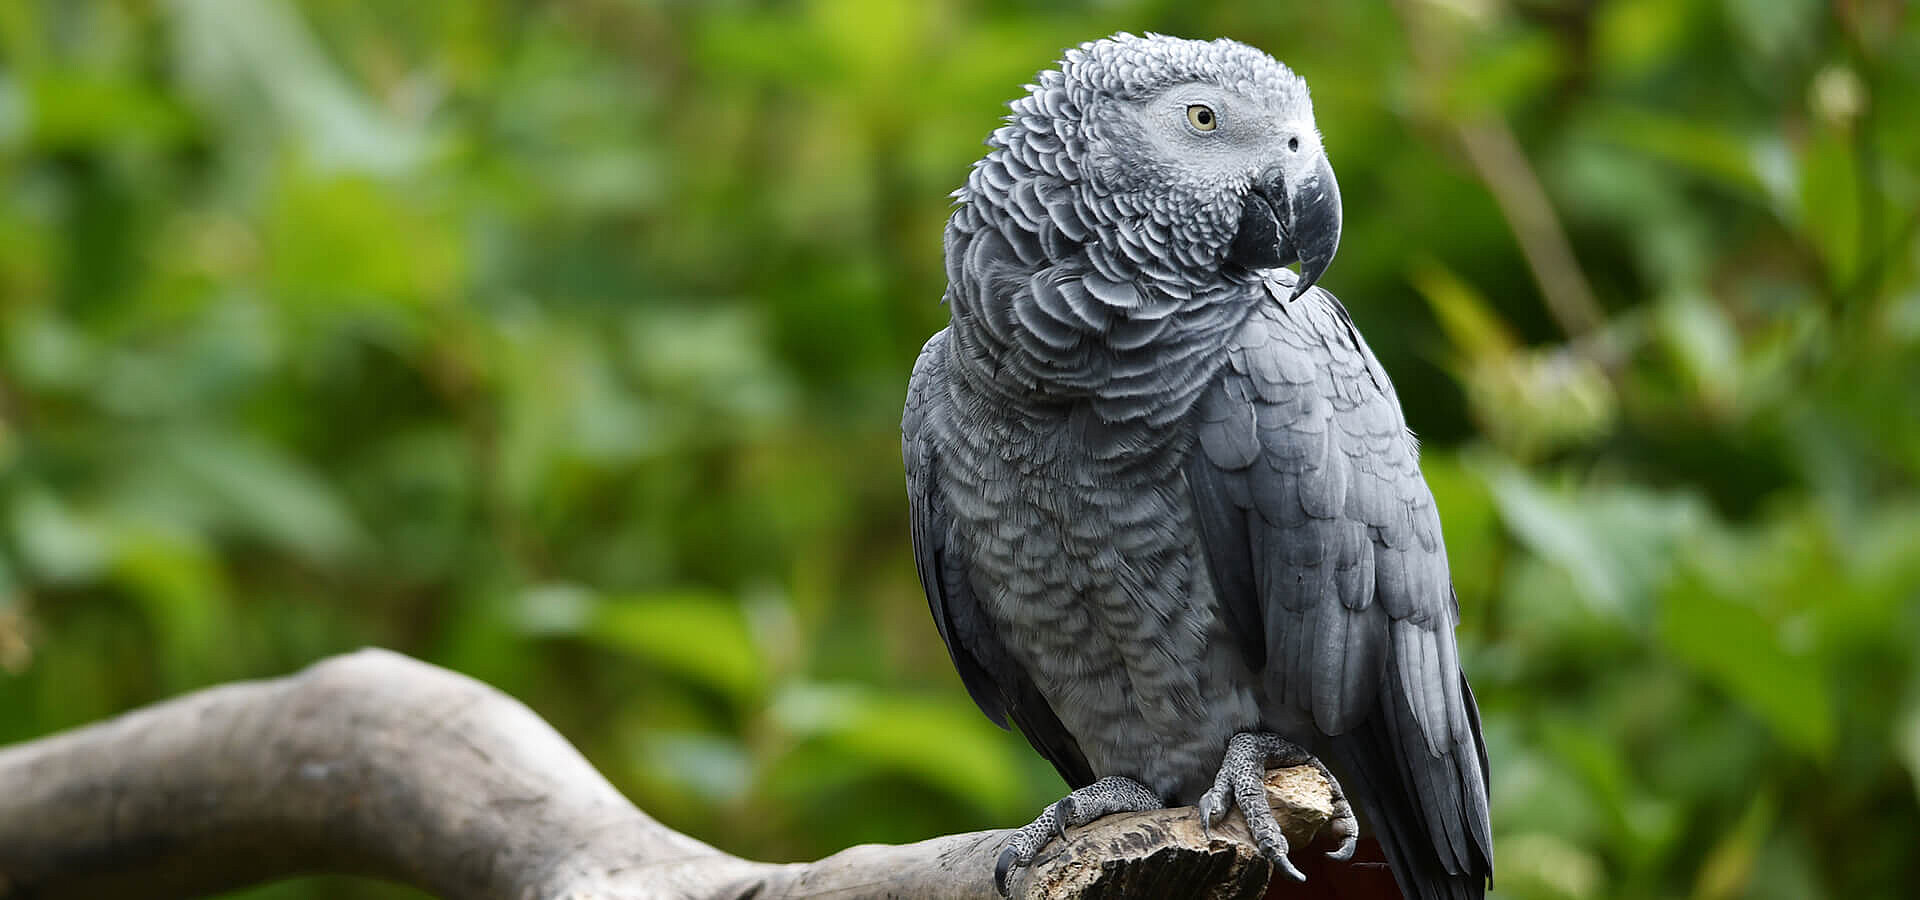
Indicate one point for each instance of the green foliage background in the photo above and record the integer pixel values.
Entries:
(563, 344)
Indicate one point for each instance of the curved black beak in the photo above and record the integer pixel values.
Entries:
(1292, 215)
(1314, 226)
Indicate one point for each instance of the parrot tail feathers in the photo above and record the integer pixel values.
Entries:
(1428, 813)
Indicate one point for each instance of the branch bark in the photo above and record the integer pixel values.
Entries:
(372, 763)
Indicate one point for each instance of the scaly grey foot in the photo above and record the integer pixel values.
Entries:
(1112, 794)
(1242, 782)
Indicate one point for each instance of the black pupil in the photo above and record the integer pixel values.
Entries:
(1204, 116)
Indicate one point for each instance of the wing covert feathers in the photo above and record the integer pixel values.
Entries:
(1325, 548)
(992, 677)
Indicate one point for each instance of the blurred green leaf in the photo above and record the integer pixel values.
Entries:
(556, 609)
(1545, 865)
(1732, 645)
(697, 635)
(1475, 331)
(406, 258)
(1906, 734)
(265, 493)
(257, 62)
(717, 769)
(1829, 208)
(55, 542)
(1505, 75)
(1618, 545)
(941, 742)
(1636, 35)
(1729, 866)
(1776, 28)
(75, 108)
(1697, 146)
(181, 581)
(1472, 526)
(1528, 402)
(1704, 346)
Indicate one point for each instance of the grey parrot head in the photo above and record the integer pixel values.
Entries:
(1192, 158)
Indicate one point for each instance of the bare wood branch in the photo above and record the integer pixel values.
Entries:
(376, 764)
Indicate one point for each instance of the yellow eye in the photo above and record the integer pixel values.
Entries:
(1202, 118)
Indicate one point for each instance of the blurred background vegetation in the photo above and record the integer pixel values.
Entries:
(563, 344)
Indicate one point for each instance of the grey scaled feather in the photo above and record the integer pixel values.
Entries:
(1166, 509)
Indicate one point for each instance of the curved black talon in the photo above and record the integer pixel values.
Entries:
(1344, 852)
(1242, 782)
(1000, 870)
(1278, 856)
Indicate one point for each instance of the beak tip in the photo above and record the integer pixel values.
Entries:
(1314, 223)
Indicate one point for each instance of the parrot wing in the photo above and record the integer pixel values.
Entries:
(994, 678)
(1325, 551)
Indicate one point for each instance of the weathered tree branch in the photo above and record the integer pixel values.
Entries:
(372, 763)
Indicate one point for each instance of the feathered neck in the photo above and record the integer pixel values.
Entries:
(1046, 318)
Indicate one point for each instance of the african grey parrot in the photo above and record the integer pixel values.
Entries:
(1166, 509)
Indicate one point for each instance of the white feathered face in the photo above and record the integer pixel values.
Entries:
(1223, 165)
(1195, 140)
